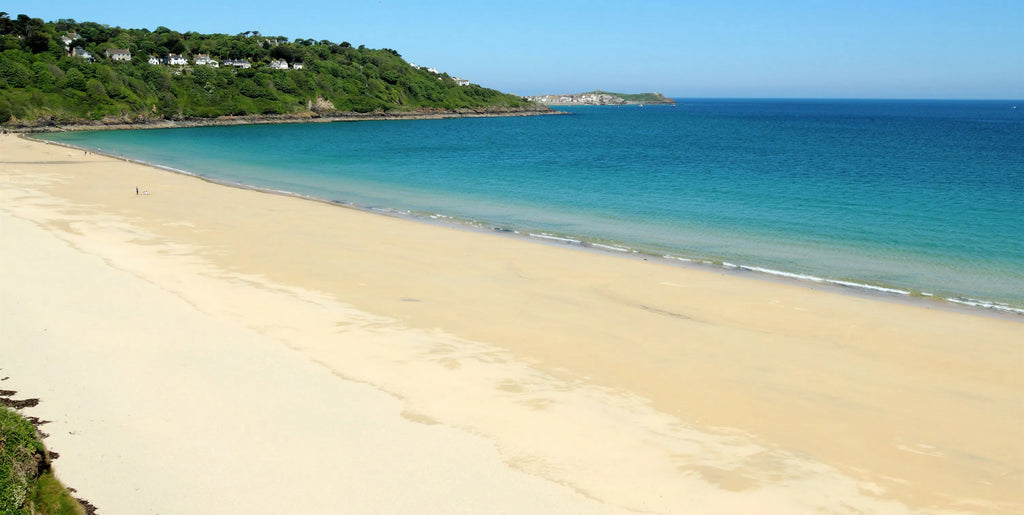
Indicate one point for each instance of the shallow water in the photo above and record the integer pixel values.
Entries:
(912, 196)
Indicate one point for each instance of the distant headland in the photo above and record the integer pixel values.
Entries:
(599, 97)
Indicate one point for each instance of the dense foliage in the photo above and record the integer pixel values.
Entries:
(39, 79)
(26, 484)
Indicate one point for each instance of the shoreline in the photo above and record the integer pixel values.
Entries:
(640, 385)
(960, 304)
(306, 117)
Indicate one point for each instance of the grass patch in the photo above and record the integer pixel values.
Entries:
(27, 485)
(51, 497)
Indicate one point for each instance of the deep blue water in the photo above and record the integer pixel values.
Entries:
(919, 196)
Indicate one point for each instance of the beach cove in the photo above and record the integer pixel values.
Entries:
(180, 340)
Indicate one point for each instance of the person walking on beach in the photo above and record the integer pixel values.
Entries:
(136, 190)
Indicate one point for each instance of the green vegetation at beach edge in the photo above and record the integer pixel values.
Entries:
(27, 485)
(67, 72)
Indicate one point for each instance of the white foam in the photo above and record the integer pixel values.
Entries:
(609, 247)
(868, 287)
(780, 273)
(986, 305)
(555, 238)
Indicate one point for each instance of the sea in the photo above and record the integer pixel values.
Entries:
(906, 198)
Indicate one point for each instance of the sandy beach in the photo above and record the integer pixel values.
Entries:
(208, 349)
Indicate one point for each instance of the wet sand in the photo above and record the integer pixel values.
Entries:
(248, 320)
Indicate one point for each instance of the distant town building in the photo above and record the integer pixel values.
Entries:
(118, 54)
(460, 81)
(296, 66)
(279, 64)
(154, 59)
(595, 98)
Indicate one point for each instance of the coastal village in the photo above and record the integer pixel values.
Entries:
(600, 98)
(594, 98)
(123, 55)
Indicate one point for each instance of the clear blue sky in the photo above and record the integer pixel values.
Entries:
(740, 48)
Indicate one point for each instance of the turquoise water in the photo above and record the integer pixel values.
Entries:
(910, 196)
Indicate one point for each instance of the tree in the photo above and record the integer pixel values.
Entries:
(44, 78)
(96, 90)
(16, 74)
(6, 26)
(286, 52)
(64, 24)
(173, 43)
(203, 75)
(21, 25)
(6, 111)
(74, 79)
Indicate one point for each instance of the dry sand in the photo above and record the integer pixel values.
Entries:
(211, 349)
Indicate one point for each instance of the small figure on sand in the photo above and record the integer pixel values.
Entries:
(136, 190)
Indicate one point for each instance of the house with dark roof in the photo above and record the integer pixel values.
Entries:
(83, 53)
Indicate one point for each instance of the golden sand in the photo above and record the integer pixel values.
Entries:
(619, 383)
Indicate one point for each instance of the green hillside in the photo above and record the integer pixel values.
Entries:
(644, 98)
(41, 82)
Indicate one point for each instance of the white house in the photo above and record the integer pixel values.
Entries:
(118, 54)
(296, 66)
(279, 64)
(205, 60)
(238, 63)
(69, 38)
(460, 81)
(83, 53)
(154, 59)
(175, 60)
